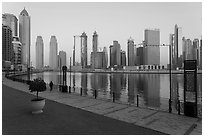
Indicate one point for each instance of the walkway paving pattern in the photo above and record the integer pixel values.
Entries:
(152, 119)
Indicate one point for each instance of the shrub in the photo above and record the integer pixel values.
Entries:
(37, 85)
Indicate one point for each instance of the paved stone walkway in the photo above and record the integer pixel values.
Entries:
(153, 119)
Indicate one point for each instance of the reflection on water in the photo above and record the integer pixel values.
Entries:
(153, 89)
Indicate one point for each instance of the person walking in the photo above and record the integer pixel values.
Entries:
(51, 85)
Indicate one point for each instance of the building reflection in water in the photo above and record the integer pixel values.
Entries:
(131, 88)
(73, 81)
(84, 83)
(115, 85)
(99, 82)
(123, 81)
(175, 91)
(54, 78)
(152, 90)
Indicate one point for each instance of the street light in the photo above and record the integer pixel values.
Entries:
(70, 71)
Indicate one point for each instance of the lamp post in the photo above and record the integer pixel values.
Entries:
(60, 70)
(60, 83)
(70, 70)
(170, 109)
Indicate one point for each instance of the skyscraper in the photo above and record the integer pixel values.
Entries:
(196, 50)
(24, 34)
(11, 21)
(95, 42)
(189, 50)
(95, 49)
(53, 53)
(123, 58)
(84, 50)
(115, 54)
(131, 52)
(62, 58)
(201, 54)
(39, 53)
(140, 56)
(106, 57)
(7, 47)
(177, 48)
(151, 50)
(17, 52)
(184, 48)
(111, 56)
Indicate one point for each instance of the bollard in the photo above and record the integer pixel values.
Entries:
(113, 97)
(81, 92)
(170, 106)
(137, 100)
(179, 107)
(69, 89)
(95, 93)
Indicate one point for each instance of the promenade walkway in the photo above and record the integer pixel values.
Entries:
(154, 120)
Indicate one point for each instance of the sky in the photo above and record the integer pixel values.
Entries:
(111, 20)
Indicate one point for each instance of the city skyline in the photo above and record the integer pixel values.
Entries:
(109, 20)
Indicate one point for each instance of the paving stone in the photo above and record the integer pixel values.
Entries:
(131, 114)
(105, 108)
(86, 103)
(168, 123)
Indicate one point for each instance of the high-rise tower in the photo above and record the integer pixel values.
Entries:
(53, 53)
(95, 49)
(95, 42)
(151, 50)
(62, 58)
(115, 54)
(39, 53)
(11, 21)
(131, 57)
(177, 56)
(84, 50)
(24, 34)
(7, 48)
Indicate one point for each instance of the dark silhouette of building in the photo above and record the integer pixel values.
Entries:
(151, 49)
(115, 54)
(123, 58)
(130, 48)
(201, 54)
(11, 21)
(7, 47)
(94, 49)
(24, 34)
(99, 60)
(140, 56)
(84, 50)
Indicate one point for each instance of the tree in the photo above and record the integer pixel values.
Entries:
(37, 85)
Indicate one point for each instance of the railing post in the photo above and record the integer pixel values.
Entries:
(137, 100)
(95, 93)
(69, 89)
(113, 96)
(179, 107)
(81, 92)
(170, 109)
